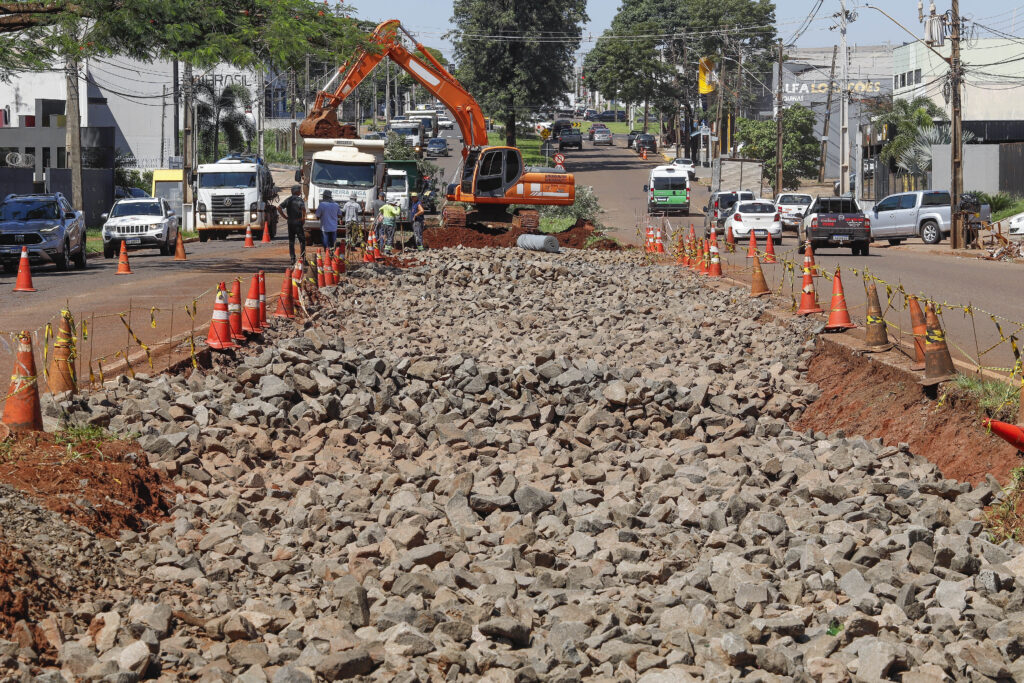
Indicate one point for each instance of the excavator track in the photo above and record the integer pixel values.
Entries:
(454, 216)
(527, 219)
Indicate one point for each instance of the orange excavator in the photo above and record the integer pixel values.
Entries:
(490, 179)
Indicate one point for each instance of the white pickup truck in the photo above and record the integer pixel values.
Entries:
(923, 214)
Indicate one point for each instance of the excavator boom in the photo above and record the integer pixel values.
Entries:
(323, 122)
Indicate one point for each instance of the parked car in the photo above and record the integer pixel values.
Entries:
(593, 130)
(141, 223)
(631, 138)
(719, 205)
(437, 147)
(837, 221)
(570, 137)
(1015, 227)
(589, 115)
(603, 136)
(46, 224)
(791, 208)
(923, 214)
(645, 141)
(759, 216)
(687, 165)
(122, 192)
(559, 125)
(607, 116)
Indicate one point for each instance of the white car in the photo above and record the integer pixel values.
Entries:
(1016, 229)
(758, 215)
(791, 208)
(141, 223)
(445, 123)
(687, 165)
(603, 136)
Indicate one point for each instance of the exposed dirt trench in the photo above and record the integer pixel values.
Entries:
(863, 396)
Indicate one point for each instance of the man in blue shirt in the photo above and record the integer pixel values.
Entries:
(327, 212)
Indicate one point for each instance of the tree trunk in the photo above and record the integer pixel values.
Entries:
(73, 134)
(216, 131)
(510, 127)
(188, 138)
(645, 115)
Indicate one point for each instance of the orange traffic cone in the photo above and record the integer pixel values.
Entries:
(839, 317)
(249, 244)
(1011, 434)
(235, 310)
(339, 267)
(730, 240)
(758, 287)
(329, 279)
(61, 376)
(649, 241)
(808, 300)
(24, 281)
(285, 307)
(22, 410)
(251, 307)
(179, 248)
(769, 250)
(809, 263)
(263, 299)
(876, 337)
(752, 249)
(938, 364)
(643, 154)
(686, 251)
(321, 277)
(122, 263)
(680, 250)
(220, 328)
(715, 269)
(266, 233)
(699, 265)
(377, 256)
(296, 280)
(920, 328)
(371, 238)
(658, 242)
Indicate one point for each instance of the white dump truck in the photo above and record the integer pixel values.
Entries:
(344, 167)
(232, 194)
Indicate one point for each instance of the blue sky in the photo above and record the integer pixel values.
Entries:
(871, 28)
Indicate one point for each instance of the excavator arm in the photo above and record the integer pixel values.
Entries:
(322, 121)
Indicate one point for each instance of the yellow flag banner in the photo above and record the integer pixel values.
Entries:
(708, 79)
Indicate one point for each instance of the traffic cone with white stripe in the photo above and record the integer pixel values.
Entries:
(715, 269)
(329, 279)
(808, 299)
(220, 329)
(649, 242)
(249, 244)
(123, 268)
(752, 249)
(769, 250)
(24, 281)
(659, 244)
(730, 240)
(809, 264)
(321, 277)
(21, 409)
(285, 307)
(296, 279)
(251, 308)
(235, 311)
(838, 317)
(263, 299)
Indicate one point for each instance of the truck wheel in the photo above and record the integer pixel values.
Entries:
(930, 233)
(80, 259)
(64, 258)
(108, 250)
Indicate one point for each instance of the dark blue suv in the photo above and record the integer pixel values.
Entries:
(46, 225)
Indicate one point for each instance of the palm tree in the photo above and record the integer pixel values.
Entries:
(224, 112)
(904, 120)
(916, 160)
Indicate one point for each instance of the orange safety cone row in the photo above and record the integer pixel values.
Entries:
(730, 240)
(263, 299)
(938, 364)
(838, 317)
(285, 307)
(61, 375)
(220, 327)
(752, 249)
(122, 262)
(808, 299)
(24, 281)
(179, 248)
(249, 244)
(1011, 434)
(758, 286)
(235, 310)
(251, 308)
(715, 266)
(769, 250)
(266, 232)
(920, 330)
(22, 410)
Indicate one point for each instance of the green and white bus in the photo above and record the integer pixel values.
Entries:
(668, 190)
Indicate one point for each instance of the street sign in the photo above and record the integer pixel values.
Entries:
(559, 158)
(546, 133)
(559, 167)
(575, 124)
(547, 148)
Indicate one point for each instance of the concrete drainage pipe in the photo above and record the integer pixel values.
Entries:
(538, 243)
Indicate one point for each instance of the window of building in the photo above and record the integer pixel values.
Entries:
(895, 82)
(917, 76)
(62, 157)
(903, 80)
(46, 157)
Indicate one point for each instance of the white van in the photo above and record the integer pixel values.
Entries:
(668, 190)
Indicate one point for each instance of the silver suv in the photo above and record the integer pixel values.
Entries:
(46, 224)
(911, 214)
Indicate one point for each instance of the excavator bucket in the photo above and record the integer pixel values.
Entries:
(321, 123)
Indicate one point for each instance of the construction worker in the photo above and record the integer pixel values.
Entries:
(389, 214)
(418, 214)
(293, 210)
(350, 214)
(328, 212)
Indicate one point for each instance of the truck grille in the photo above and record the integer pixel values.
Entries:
(133, 229)
(20, 238)
(229, 208)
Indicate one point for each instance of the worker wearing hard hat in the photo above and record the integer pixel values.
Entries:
(389, 214)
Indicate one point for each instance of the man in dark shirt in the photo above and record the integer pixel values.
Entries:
(293, 210)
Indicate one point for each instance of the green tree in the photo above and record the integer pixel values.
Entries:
(223, 112)
(516, 56)
(800, 151)
(903, 121)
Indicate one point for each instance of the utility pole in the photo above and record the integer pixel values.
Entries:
(844, 108)
(261, 99)
(73, 133)
(778, 128)
(387, 92)
(188, 139)
(163, 119)
(717, 151)
(305, 90)
(828, 116)
(736, 103)
(177, 103)
(956, 235)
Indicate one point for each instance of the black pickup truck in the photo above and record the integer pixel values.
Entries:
(837, 222)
